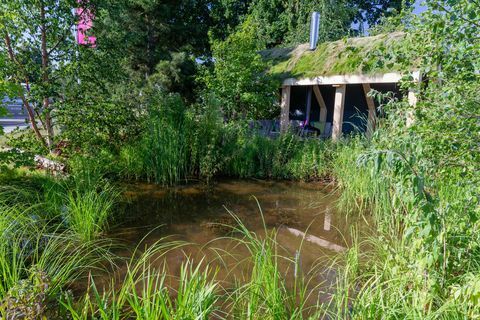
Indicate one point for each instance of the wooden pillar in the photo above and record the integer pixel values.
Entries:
(412, 97)
(285, 108)
(412, 101)
(338, 111)
(323, 107)
(309, 105)
(371, 109)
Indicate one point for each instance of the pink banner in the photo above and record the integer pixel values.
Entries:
(85, 23)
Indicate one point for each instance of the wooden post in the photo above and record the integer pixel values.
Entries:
(338, 111)
(371, 109)
(309, 106)
(412, 97)
(323, 107)
(412, 101)
(285, 108)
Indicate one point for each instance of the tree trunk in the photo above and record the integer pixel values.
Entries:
(45, 78)
(26, 103)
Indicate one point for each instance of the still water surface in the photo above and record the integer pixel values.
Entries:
(308, 227)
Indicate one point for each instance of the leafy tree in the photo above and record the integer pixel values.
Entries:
(288, 22)
(239, 80)
(176, 75)
(226, 15)
(372, 12)
(37, 47)
(150, 32)
(284, 22)
(444, 42)
(434, 163)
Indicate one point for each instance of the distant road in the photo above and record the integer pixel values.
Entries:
(17, 116)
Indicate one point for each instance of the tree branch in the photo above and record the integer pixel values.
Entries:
(26, 103)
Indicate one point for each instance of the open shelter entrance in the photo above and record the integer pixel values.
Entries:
(335, 105)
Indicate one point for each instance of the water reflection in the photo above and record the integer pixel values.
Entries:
(302, 217)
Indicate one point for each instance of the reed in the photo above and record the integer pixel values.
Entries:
(160, 155)
(36, 266)
(262, 291)
(88, 211)
(145, 292)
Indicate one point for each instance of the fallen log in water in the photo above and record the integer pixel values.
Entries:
(316, 240)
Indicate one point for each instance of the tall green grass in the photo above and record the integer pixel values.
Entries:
(178, 143)
(88, 212)
(423, 264)
(261, 292)
(146, 292)
(29, 248)
(160, 155)
(264, 293)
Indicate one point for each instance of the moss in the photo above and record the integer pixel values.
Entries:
(348, 56)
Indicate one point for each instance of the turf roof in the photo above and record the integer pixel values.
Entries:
(362, 55)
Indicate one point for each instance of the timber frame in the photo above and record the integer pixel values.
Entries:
(340, 82)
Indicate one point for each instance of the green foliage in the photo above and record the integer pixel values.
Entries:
(178, 143)
(239, 80)
(100, 124)
(58, 257)
(86, 201)
(205, 134)
(287, 157)
(195, 298)
(27, 298)
(88, 212)
(176, 75)
(161, 154)
(36, 51)
(420, 180)
(287, 22)
(156, 30)
(144, 292)
(265, 294)
(25, 141)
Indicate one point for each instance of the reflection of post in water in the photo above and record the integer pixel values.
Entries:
(327, 221)
(298, 265)
(316, 240)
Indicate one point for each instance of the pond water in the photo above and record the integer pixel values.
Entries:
(303, 216)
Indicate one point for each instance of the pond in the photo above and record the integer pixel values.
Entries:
(301, 217)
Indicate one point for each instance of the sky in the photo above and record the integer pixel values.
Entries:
(419, 7)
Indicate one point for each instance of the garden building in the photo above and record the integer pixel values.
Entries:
(325, 90)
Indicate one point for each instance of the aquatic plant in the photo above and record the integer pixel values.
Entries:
(145, 292)
(161, 152)
(28, 250)
(87, 212)
(262, 291)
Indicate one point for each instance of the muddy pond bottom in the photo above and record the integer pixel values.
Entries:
(300, 217)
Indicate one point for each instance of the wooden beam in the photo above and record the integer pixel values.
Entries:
(371, 109)
(323, 106)
(338, 111)
(285, 108)
(391, 77)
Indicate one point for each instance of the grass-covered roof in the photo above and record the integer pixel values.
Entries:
(363, 55)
